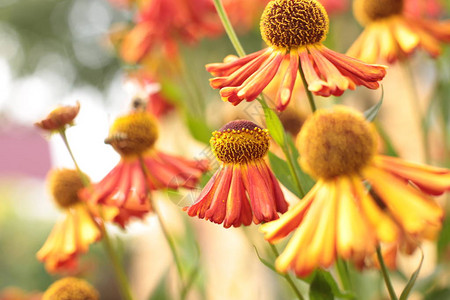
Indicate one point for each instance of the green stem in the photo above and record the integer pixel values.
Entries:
(290, 161)
(309, 95)
(385, 273)
(344, 275)
(229, 28)
(170, 242)
(115, 261)
(287, 276)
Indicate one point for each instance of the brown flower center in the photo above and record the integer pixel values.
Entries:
(240, 141)
(64, 185)
(71, 288)
(367, 11)
(290, 24)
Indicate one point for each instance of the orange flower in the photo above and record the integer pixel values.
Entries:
(244, 188)
(59, 118)
(391, 33)
(75, 232)
(423, 8)
(164, 22)
(294, 31)
(338, 217)
(335, 6)
(141, 168)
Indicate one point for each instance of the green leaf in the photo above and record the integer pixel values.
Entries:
(274, 125)
(334, 286)
(265, 262)
(372, 112)
(161, 290)
(305, 180)
(281, 170)
(412, 281)
(441, 294)
(443, 243)
(198, 128)
(320, 288)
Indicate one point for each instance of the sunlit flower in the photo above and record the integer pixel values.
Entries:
(59, 118)
(243, 188)
(338, 217)
(391, 33)
(142, 168)
(71, 288)
(164, 22)
(294, 31)
(76, 231)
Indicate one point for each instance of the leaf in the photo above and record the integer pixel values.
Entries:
(305, 180)
(443, 243)
(265, 262)
(320, 288)
(198, 128)
(372, 112)
(412, 281)
(274, 125)
(281, 170)
(334, 286)
(441, 294)
(161, 290)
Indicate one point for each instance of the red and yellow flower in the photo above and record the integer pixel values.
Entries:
(76, 231)
(294, 31)
(142, 168)
(59, 118)
(338, 217)
(391, 33)
(244, 188)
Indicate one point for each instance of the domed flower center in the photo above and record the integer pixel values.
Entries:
(367, 11)
(133, 134)
(290, 24)
(71, 288)
(64, 185)
(334, 143)
(240, 141)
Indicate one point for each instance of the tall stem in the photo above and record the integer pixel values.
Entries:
(385, 273)
(229, 28)
(309, 95)
(287, 276)
(115, 261)
(344, 275)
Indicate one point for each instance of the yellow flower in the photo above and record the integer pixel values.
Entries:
(294, 31)
(71, 236)
(71, 288)
(338, 216)
(391, 33)
(243, 188)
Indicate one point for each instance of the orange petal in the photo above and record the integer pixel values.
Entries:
(284, 93)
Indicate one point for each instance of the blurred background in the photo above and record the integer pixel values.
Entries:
(56, 52)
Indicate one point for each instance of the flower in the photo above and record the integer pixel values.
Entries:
(71, 288)
(163, 22)
(76, 231)
(243, 188)
(391, 33)
(142, 168)
(335, 6)
(14, 293)
(294, 31)
(423, 8)
(59, 118)
(338, 217)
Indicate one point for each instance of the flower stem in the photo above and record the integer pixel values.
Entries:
(115, 261)
(309, 95)
(344, 275)
(170, 241)
(385, 273)
(229, 28)
(287, 276)
(290, 161)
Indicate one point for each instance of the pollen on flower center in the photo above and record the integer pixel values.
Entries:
(71, 288)
(64, 185)
(240, 141)
(133, 134)
(372, 10)
(293, 23)
(333, 143)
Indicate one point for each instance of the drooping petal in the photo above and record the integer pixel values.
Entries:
(315, 83)
(284, 93)
(227, 68)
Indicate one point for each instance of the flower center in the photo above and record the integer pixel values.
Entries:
(71, 288)
(333, 143)
(133, 134)
(64, 185)
(367, 11)
(240, 141)
(290, 24)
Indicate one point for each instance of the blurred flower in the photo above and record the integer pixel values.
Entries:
(338, 217)
(164, 22)
(391, 33)
(334, 6)
(13, 293)
(142, 168)
(244, 14)
(244, 188)
(71, 288)
(72, 235)
(423, 8)
(294, 31)
(59, 118)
